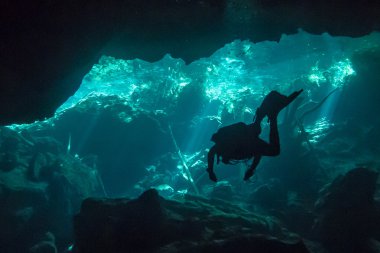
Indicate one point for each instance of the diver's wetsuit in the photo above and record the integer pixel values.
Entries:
(273, 147)
(247, 143)
(252, 147)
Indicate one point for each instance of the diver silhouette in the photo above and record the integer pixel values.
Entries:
(241, 141)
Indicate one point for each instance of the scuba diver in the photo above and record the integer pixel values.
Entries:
(241, 141)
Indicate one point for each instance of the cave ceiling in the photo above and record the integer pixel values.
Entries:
(47, 47)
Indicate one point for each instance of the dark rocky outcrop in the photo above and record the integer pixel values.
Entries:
(46, 245)
(39, 192)
(348, 212)
(48, 46)
(151, 223)
(262, 244)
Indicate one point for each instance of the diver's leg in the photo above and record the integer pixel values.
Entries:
(259, 115)
(274, 138)
(273, 147)
(210, 163)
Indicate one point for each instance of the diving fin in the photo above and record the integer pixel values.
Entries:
(274, 102)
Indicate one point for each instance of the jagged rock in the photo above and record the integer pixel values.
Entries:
(119, 225)
(222, 190)
(18, 196)
(37, 77)
(260, 244)
(46, 245)
(8, 161)
(297, 216)
(42, 166)
(347, 211)
(47, 145)
(39, 192)
(9, 145)
(18, 212)
(239, 244)
(271, 195)
(193, 224)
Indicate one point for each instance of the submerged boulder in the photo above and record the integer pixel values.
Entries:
(255, 243)
(39, 192)
(151, 223)
(119, 225)
(46, 245)
(347, 212)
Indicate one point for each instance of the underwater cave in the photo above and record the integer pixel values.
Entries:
(107, 121)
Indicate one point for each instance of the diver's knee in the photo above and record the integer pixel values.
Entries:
(276, 151)
(211, 152)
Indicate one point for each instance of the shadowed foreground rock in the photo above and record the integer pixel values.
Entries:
(41, 187)
(154, 224)
(348, 212)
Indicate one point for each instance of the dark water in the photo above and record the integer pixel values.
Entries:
(135, 125)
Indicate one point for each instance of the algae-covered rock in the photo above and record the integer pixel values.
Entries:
(151, 223)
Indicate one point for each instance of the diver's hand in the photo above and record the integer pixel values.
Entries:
(212, 175)
(248, 174)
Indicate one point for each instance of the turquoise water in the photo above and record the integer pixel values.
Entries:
(134, 125)
(195, 99)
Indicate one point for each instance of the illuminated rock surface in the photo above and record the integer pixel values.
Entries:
(47, 47)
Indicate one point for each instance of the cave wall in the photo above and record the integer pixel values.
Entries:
(47, 47)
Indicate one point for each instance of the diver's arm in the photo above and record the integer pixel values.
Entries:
(210, 163)
(249, 172)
